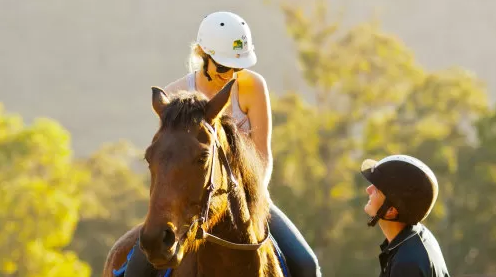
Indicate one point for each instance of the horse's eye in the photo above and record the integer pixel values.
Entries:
(203, 158)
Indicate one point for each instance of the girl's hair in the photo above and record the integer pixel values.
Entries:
(196, 58)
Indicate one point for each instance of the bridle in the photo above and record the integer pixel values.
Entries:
(209, 189)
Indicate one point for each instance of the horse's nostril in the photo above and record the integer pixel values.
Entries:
(169, 238)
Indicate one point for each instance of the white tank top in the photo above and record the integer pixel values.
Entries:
(241, 118)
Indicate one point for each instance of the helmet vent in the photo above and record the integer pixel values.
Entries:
(243, 23)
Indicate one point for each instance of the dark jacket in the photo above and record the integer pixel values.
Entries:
(414, 252)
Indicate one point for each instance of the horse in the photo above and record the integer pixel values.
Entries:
(209, 208)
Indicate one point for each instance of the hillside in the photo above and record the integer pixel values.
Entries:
(90, 64)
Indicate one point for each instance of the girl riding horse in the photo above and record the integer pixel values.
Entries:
(223, 50)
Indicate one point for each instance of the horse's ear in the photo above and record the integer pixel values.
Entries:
(216, 105)
(159, 100)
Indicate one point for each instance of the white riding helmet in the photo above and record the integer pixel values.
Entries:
(226, 37)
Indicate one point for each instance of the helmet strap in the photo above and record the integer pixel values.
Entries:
(381, 213)
(205, 68)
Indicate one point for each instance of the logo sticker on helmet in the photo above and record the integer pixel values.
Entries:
(237, 45)
(245, 40)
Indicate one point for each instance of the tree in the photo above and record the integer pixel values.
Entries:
(114, 199)
(39, 199)
(473, 241)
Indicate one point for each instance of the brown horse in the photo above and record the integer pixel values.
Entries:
(209, 208)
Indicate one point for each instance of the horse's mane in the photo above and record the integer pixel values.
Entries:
(187, 109)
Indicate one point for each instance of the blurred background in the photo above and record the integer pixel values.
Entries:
(348, 79)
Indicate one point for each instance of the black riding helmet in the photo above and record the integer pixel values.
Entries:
(408, 184)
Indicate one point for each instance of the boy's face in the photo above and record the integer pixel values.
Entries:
(376, 199)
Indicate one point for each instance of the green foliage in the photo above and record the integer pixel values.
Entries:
(52, 206)
(472, 238)
(39, 199)
(113, 201)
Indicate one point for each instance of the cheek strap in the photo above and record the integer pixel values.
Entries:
(381, 213)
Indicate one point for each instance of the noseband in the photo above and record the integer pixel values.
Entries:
(207, 195)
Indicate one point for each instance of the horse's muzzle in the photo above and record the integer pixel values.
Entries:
(166, 262)
(162, 249)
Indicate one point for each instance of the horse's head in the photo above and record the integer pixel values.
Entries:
(185, 162)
